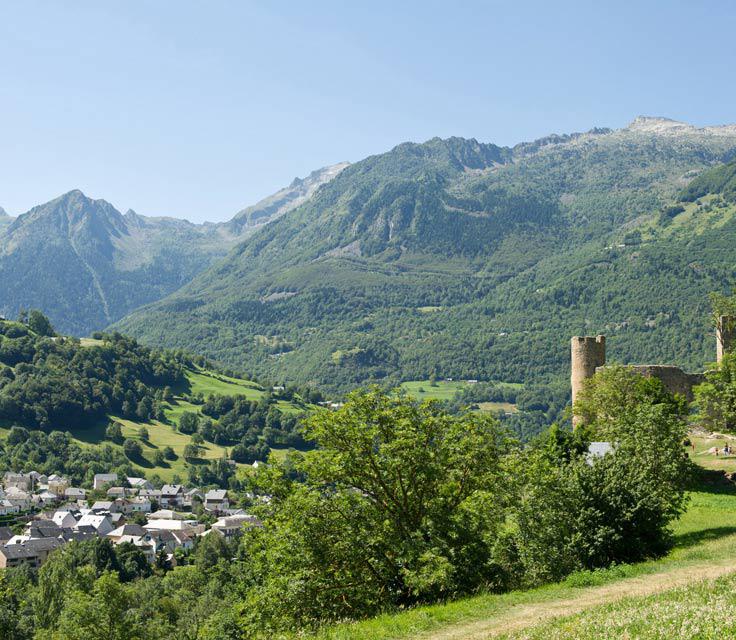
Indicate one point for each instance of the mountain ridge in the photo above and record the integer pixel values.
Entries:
(459, 228)
(87, 265)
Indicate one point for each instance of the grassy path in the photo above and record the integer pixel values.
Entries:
(522, 617)
(705, 550)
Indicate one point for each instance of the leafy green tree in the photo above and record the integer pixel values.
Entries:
(617, 390)
(132, 449)
(132, 562)
(114, 432)
(158, 458)
(579, 512)
(108, 611)
(188, 422)
(169, 453)
(143, 434)
(17, 435)
(40, 324)
(401, 504)
(13, 623)
(191, 451)
(715, 399)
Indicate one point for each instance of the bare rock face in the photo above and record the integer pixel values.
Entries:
(283, 201)
(667, 127)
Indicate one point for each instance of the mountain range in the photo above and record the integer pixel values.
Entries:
(451, 258)
(470, 260)
(87, 265)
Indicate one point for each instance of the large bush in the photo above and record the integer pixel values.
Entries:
(401, 504)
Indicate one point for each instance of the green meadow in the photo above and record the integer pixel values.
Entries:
(164, 434)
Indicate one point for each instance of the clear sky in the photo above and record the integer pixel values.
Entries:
(196, 109)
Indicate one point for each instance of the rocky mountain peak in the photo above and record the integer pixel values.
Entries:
(655, 124)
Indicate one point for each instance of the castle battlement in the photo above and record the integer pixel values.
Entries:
(588, 355)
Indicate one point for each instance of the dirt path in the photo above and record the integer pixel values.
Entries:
(523, 616)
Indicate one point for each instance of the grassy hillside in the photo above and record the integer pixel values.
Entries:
(653, 599)
(470, 261)
(445, 390)
(52, 386)
(165, 434)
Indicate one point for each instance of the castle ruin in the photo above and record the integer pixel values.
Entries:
(588, 355)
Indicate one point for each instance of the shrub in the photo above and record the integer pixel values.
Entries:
(132, 449)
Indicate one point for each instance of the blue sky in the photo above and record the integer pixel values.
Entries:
(196, 109)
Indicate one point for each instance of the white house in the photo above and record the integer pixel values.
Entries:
(101, 479)
(75, 493)
(153, 494)
(216, 500)
(65, 519)
(100, 523)
(102, 505)
(126, 530)
(190, 527)
(45, 498)
(17, 480)
(172, 495)
(18, 497)
(191, 495)
(121, 492)
(140, 483)
(231, 526)
(140, 504)
(58, 485)
(8, 508)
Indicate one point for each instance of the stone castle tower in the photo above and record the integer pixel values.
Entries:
(588, 353)
(725, 336)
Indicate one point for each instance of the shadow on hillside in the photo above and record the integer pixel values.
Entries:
(91, 434)
(142, 461)
(148, 443)
(713, 481)
(685, 540)
(183, 388)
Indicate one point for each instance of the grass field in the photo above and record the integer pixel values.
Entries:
(702, 455)
(207, 382)
(611, 603)
(163, 435)
(446, 390)
(704, 609)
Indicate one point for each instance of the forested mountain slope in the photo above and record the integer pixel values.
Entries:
(471, 260)
(88, 265)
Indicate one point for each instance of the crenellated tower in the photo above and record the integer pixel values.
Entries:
(587, 353)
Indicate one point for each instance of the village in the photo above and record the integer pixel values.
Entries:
(162, 523)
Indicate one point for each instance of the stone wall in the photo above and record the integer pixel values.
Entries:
(674, 379)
